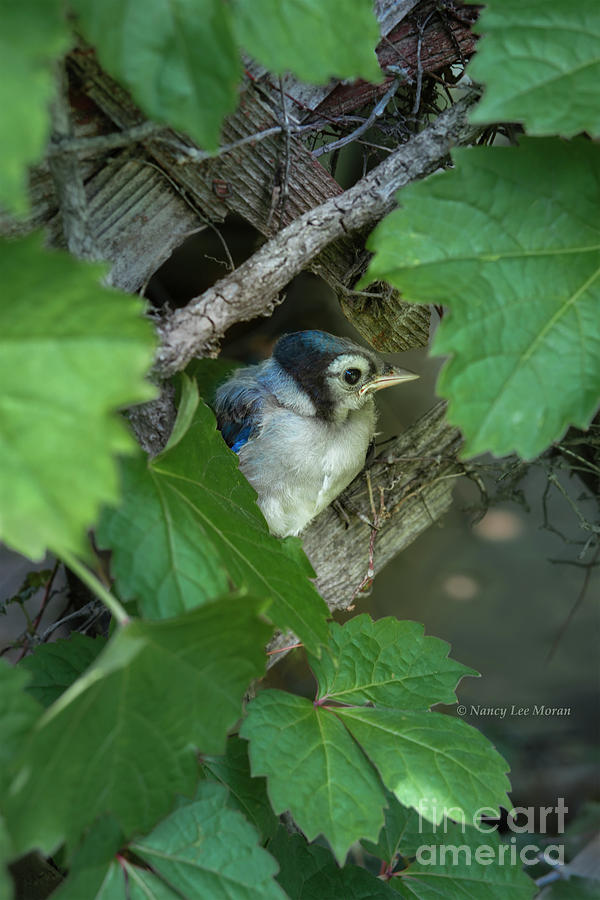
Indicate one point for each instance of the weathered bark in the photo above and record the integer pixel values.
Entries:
(253, 288)
(416, 474)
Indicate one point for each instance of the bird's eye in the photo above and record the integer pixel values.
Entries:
(351, 376)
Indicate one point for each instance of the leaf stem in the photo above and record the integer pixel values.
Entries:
(97, 587)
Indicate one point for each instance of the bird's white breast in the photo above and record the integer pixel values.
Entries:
(309, 461)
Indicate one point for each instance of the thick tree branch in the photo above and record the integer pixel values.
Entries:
(252, 290)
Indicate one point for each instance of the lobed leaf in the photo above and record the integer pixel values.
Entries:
(430, 761)
(123, 738)
(314, 769)
(539, 62)
(189, 523)
(509, 240)
(206, 849)
(388, 663)
(278, 32)
(71, 354)
(178, 59)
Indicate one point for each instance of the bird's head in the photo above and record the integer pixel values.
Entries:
(336, 374)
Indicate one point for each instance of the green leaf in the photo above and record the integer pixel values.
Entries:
(94, 872)
(123, 737)
(205, 849)
(314, 769)
(178, 59)
(540, 64)
(54, 667)
(278, 33)
(18, 714)
(71, 353)
(509, 240)
(247, 794)
(188, 517)
(456, 862)
(389, 663)
(430, 761)
(33, 38)
(401, 835)
(309, 872)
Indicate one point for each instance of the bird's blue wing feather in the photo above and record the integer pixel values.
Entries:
(238, 405)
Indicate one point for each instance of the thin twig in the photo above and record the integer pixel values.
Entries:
(35, 624)
(96, 586)
(77, 614)
(580, 598)
(375, 114)
(101, 143)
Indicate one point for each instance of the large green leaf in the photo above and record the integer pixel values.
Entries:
(178, 58)
(123, 737)
(314, 769)
(188, 517)
(247, 794)
(18, 714)
(205, 849)
(278, 33)
(33, 37)
(509, 240)
(71, 353)
(431, 761)
(389, 663)
(539, 61)
(54, 667)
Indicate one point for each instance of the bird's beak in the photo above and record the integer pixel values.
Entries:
(389, 377)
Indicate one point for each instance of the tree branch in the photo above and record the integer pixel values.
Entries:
(252, 290)
(68, 180)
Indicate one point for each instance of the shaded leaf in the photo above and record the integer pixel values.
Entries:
(309, 872)
(456, 862)
(278, 32)
(123, 737)
(54, 667)
(247, 794)
(540, 65)
(389, 663)
(94, 872)
(178, 59)
(205, 849)
(18, 714)
(430, 761)
(314, 769)
(188, 517)
(71, 353)
(509, 240)
(33, 38)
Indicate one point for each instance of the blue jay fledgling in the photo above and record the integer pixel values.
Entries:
(301, 422)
